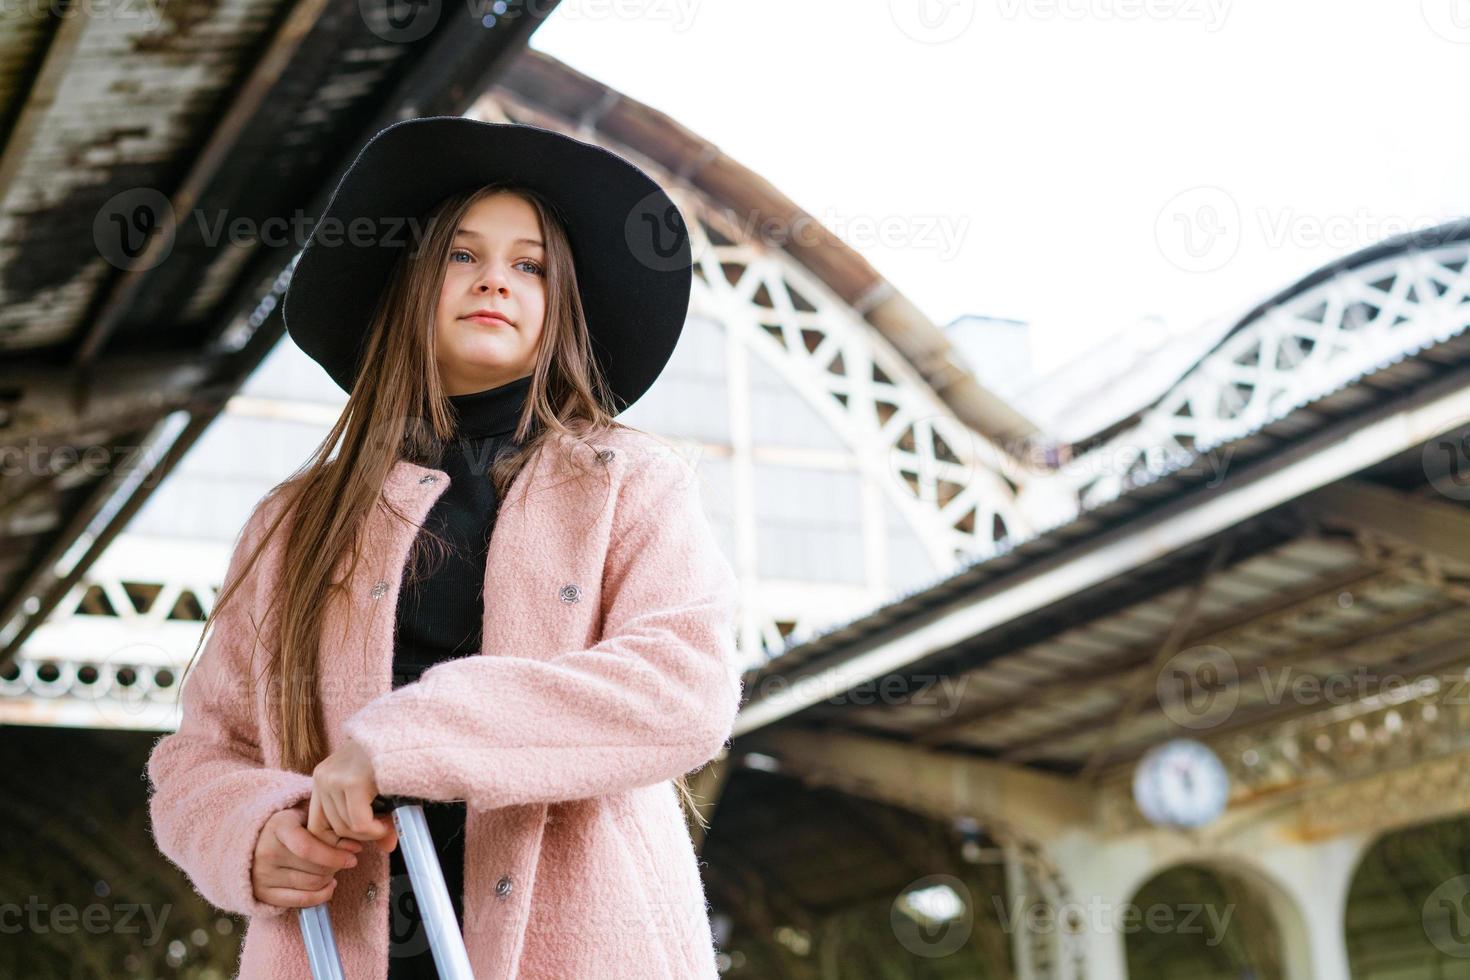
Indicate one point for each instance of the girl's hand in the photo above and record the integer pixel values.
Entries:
(343, 790)
(293, 869)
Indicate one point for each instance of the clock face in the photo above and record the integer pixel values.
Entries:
(1181, 784)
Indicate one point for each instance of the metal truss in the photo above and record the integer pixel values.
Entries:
(1287, 354)
(949, 482)
(111, 654)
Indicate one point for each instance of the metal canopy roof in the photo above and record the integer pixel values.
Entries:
(1332, 544)
(133, 135)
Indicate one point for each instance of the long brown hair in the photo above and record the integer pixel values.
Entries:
(398, 409)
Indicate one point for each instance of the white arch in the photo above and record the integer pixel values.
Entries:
(1304, 886)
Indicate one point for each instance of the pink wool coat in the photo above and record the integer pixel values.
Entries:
(607, 669)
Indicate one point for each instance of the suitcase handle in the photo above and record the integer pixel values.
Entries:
(427, 879)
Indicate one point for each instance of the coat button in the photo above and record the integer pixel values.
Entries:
(502, 887)
(372, 892)
(428, 479)
(570, 593)
(380, 589)
(603, 455)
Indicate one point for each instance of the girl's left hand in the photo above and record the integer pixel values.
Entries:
(342, 794)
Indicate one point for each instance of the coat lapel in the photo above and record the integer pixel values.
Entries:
(358, 632)
(542, 579)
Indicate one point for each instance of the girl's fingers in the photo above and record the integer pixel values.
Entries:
(290, 862)
(300, 880)
(389, 840)
(344, 814)
(308, 847)
(296, 898)
(359, 811)
(335, 815)
(316, 820)
(326, 828)
(314, 870)
(357, 824)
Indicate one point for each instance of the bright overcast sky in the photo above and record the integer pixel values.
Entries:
(1078, 164)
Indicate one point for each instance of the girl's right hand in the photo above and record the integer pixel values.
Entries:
(293, 868)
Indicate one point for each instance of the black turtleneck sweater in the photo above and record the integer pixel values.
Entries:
(439, 618)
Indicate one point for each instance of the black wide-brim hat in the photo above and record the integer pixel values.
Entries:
(629, 242)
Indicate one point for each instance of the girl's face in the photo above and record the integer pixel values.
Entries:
(496, 264)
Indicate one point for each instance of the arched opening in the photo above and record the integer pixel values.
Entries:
(1408, 908)
(1199, 922)
(812, 883)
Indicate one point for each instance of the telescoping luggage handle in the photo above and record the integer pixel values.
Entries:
(445, 941)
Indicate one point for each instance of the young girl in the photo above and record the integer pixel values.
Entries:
(490, 296)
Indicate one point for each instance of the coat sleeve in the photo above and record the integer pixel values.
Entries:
(654, 699)
(210, 791)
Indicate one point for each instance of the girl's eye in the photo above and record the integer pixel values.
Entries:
(536, 269)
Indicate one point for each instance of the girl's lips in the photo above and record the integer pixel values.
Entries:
(489, 319)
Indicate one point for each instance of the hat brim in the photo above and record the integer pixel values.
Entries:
(629, 242)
